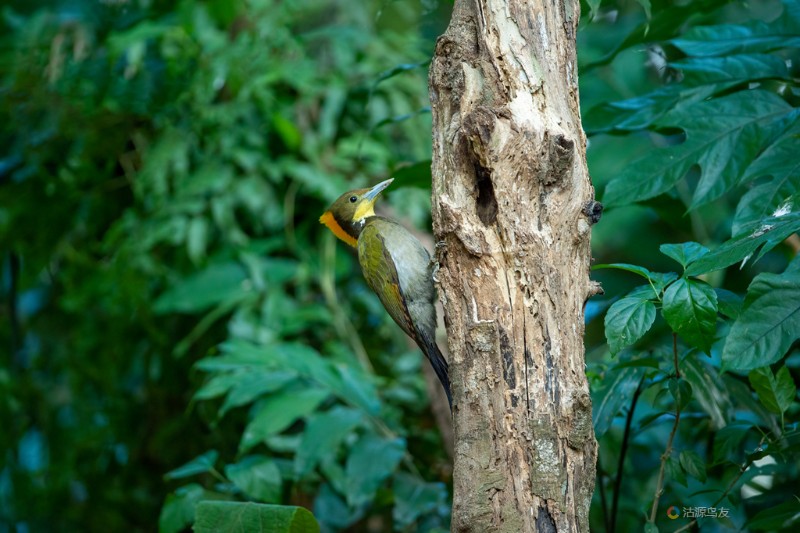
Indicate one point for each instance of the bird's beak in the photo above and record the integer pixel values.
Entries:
(373, 193)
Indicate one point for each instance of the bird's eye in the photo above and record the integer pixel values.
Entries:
(353, 199)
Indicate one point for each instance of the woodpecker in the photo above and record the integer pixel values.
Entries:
(396, 267)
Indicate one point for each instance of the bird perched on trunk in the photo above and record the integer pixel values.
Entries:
(396, 266)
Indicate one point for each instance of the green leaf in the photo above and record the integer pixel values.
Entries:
(675, 472)
(706, 386)
(217, 283)
(627, 321)
(322, 437)
(199, 465)
(416, 175)
(217, 386)
(278, 412)
(699, 71)
(235, 517)
(768, 325)
(252, 385)
(414, 497)
(642, 271)
(197, 239)
(756, 36)
(178, 509)
(614, 396)
(693, 465)
(729, 303)
(370, 462)
(761, 236)
(777, 392)
(766, 200)
(593, 6)
(681, 392)
(783, 517)
(258, 477)
(727, 442)
(722, 136)
(646, 6)
(684, 253)
(690, 309)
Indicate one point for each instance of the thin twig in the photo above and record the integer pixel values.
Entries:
(623, 451)
(668, 451)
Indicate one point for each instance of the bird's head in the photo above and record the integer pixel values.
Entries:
(346, 216)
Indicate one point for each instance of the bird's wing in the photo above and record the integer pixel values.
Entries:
(381, 275)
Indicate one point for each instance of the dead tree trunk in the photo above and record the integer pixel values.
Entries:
(512, 211)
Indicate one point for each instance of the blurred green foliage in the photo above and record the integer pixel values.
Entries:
(181, 329)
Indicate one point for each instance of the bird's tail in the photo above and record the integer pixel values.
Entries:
(439, 364)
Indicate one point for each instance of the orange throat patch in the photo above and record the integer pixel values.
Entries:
(328, 219)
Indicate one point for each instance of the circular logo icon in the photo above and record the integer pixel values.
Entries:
(673, 512)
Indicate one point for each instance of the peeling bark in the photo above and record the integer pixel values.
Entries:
(512, 210)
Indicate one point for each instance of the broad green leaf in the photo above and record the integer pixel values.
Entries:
(627, 321)
(258, 477)
(413, 498)
(178, 509)
(729, 303)
(370, 462)
(703, 77)
(593, 5)
(727, 442)
(416, 175)
(776, 392)
(690, 309)
(199, 465)
(783, 517)
(755, 36)
(766, 200)
(278, 412)
(253, 385)
(768, 325)
(681, 392)
(739, 68)
(759, 237)
(647, 8)
(332, 510)
(322, 437)
(744, 399)
(358, 388)
(675, 472)
(665, 24)
(684, 253)
(707, 389)
(778, 160)
(722, 136)
(237, 517)
(693, 465)
(217, 386)
(616, 393)
(217, 283)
